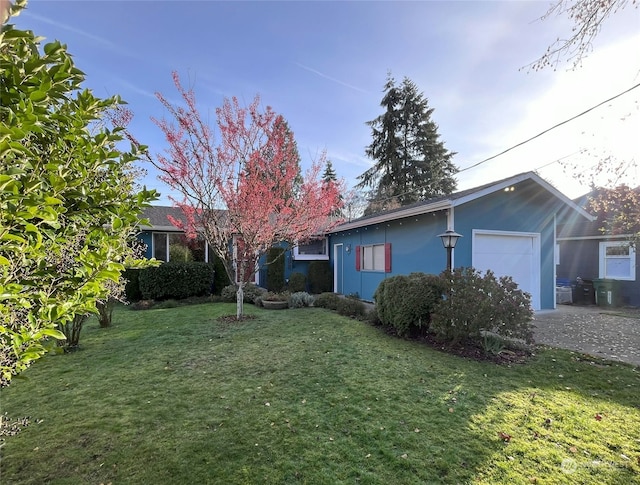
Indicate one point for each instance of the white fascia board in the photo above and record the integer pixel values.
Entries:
(602, 237)
(393, 216)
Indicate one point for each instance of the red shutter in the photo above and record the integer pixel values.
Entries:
(387, 258)
(358, 252)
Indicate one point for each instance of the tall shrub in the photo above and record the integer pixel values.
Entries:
(405, 303)
(275, 269)
(476, 304)
(69, 202)
(320, 277)
(297, 282)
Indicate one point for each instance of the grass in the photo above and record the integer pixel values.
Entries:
(307, 396)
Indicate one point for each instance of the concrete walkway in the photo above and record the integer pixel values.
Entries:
(609, 333)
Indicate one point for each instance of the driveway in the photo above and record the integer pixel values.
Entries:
(609, 333)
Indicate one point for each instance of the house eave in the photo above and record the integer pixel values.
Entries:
(160, 228)
(402, 214)
(521, 178)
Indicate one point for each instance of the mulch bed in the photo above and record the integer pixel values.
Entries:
(474, 351)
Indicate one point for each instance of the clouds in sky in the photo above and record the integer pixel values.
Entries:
(323, 66)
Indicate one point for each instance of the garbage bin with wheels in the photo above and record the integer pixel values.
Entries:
(607, 293)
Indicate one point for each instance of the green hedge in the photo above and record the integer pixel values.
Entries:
(132, 286)
(297, 282)
(220, 279)
(275, 269)
(320, 277)
(176, 280)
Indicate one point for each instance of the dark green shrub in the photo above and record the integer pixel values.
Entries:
(405, 303)
(350, 307)
(132, 286)
(275, 269)
(478, 305)
(297, 282)
(176, 280)
(220, 278)
(327, 300)
(320, 277)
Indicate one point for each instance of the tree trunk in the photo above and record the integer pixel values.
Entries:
(240, 300)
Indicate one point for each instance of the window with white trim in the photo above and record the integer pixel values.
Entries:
(313, 249)
(176, 246)
(617, 261)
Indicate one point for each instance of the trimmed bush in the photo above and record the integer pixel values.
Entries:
(297, 282)
(405, 303)
(300, 299)
(175, 280)
(250, 293)
(350, 307)
(327, 300)
(220, 278)
(132, 286)
(478, 305)
(275, 269)
(320, 277)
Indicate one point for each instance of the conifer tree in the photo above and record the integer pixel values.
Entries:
(411, 162)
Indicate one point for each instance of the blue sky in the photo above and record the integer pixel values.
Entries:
(323, 65)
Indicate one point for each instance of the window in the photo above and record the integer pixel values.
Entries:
(312, 250)
(175, 246)
(617, 261)
(374, 257)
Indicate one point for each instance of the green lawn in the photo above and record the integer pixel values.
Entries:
(174, 396)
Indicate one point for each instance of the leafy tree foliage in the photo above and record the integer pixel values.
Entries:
(587, 17)
(67, 202)
(245, 190)
(618, 211)
(411, 162)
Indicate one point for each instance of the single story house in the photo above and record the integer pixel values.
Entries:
(165, 242)
(508, 226)
(605, 265)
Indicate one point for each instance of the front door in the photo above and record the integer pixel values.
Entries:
(338, 267)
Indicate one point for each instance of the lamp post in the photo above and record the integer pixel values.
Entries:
(449, 240)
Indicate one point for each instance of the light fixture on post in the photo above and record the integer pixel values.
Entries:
(449, 240)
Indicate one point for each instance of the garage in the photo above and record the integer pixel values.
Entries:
(514, 254)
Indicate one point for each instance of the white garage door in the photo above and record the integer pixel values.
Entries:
(510, 254)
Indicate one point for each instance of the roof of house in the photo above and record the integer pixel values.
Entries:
(157, 216)
(457, 199)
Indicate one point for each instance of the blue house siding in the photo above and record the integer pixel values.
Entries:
(147, 238)
(527, 209)
(523, 205)
(414, 247)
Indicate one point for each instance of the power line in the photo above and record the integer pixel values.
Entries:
(549, 129)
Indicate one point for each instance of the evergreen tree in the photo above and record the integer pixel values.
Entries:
(412, 164)
(329, 174)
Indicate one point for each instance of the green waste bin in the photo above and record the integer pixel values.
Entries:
(607, 293)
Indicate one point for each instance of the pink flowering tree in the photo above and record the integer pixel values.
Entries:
(245, 192)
